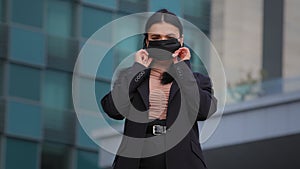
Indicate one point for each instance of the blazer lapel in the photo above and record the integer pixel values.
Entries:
(143, 90)
(174, 89)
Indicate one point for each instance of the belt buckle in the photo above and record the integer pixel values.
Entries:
(158, 130)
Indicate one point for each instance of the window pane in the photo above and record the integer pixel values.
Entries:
(198, 8)
(28, 12)
(24, 120)
(21, 154)
(112, 4)
(62, 52)
(56, 91)
(60, 18)
(27, 46)
(59, 125)
(133, 6)
(174, 7)
(55, 156)
(106, 67)
(83, 140)
(87, 160)
(56, 101)
(92, 20)
(24, 82)
(198, 13)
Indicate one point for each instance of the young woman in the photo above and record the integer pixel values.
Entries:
(154, 84)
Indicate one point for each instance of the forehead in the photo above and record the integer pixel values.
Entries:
(163, 28)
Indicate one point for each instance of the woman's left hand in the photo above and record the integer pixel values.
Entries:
(183, 53)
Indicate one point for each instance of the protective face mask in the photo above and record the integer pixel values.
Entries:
(163, 49)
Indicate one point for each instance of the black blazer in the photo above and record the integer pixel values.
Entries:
(134, 82)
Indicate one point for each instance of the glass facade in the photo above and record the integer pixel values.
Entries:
(39, 44)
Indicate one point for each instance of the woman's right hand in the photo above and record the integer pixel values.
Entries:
(142, 57)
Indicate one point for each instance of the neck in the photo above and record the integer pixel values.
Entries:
(162, 65)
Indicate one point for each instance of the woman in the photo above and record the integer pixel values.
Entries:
(155, 84)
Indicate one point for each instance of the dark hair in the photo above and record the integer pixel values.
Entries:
(163, 15)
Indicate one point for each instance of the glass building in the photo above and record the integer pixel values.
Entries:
(39, 44)
(258, 43)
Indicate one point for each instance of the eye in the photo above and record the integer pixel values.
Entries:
(155, 37)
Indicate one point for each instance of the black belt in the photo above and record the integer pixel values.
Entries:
(157, 127)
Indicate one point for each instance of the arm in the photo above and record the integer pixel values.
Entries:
(203, 103)
(117, 102)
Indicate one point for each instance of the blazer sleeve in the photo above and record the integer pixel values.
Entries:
(206, 105)
(117, 102)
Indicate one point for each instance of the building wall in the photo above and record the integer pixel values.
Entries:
(291, 48)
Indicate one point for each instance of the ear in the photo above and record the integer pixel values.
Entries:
(181, 39)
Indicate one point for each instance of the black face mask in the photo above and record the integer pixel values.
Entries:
(163, 49)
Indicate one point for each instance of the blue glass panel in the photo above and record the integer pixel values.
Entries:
(24, 82)
(106, 67)
(87, 160)
(133, 6)
(83, 140)
(24, 120)
(27, 46)
(198, 13)
(21, 154)
(198, 8)
(92, 20)
(112, 4)
(29, 12)
(173, 6)
(56, 90)
(60, 18)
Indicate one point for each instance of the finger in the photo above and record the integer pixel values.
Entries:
(143, 51)
(176, 53)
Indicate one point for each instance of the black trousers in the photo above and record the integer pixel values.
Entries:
(157, 161)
